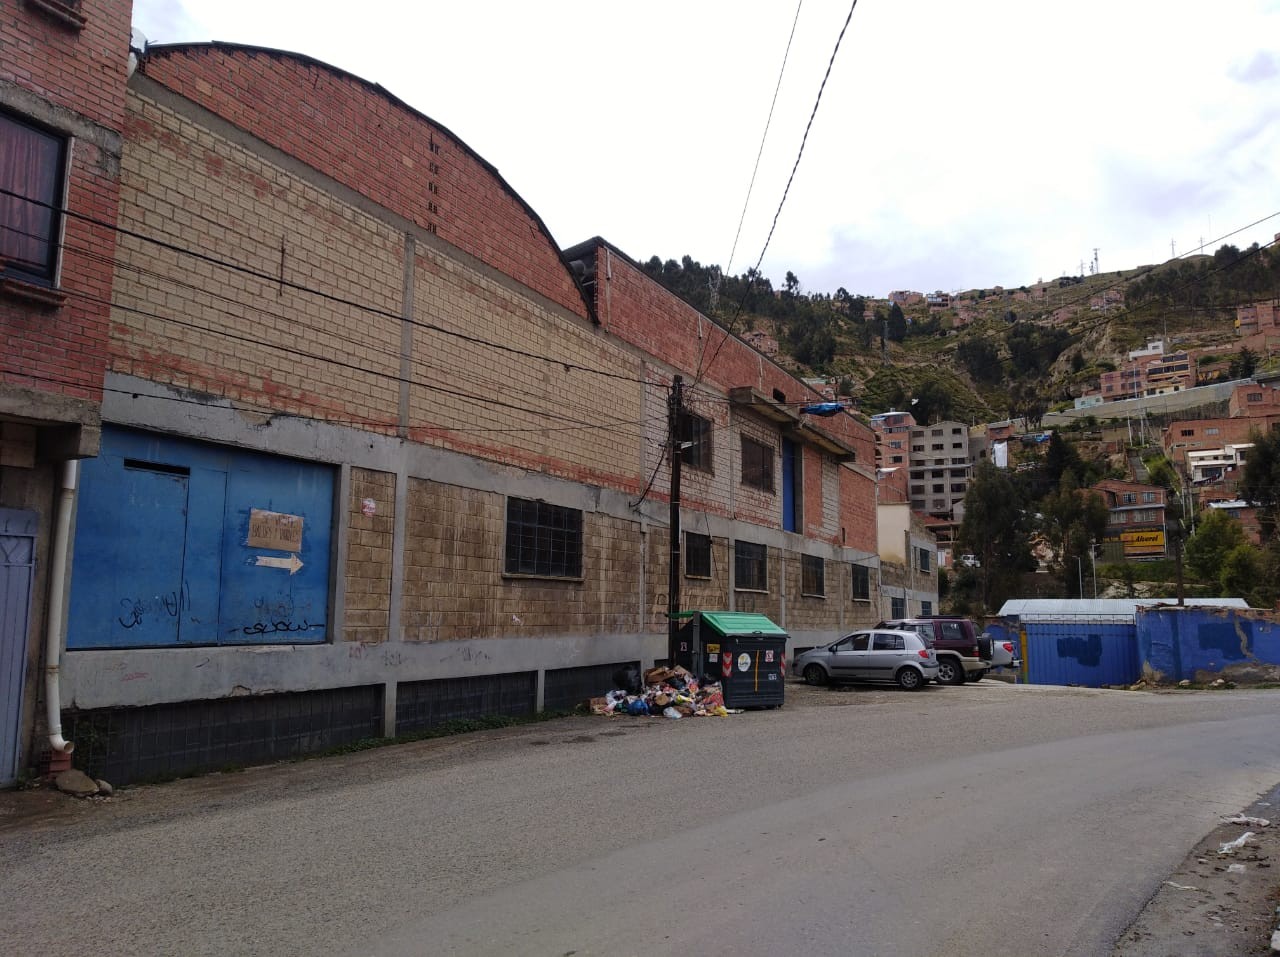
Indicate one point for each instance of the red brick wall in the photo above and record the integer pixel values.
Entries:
(640, 311)
(81, 74)
(858, 510)
(375, 145)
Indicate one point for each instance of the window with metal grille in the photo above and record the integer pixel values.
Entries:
(697, 555)
(897, 608)
(861, 590)
(757, 465)
(32, 162)
(544, 540)
(750, 566)
(926, 609)
(696, 432)
(813, 576)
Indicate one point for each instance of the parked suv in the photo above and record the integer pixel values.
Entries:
(963, 653)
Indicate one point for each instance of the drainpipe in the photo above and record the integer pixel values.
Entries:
(57, 593)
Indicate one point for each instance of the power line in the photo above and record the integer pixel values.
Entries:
(763, 137)
(281, 282)
(702, 369)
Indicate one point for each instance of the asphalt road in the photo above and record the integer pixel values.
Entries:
(988, 819)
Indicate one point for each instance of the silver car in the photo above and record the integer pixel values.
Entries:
(877, 654)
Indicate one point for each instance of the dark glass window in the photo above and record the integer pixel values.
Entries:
(697, 555)
(695, 430)
(543, 539)
(750, 566)
(757, 465)
(861, 583)
(897, 607)
(31, 169)
(813, 575)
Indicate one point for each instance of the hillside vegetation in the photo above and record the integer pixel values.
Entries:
(990, 353)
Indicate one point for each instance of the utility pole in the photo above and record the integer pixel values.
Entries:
(675, 406)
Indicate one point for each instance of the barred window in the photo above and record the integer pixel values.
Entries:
(861, 583)
(757, 465)
(697, 555)
(750, 566)
(897, 608)
(813, 576)
(543, 539)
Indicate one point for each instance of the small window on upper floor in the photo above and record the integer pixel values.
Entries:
(694, 435)
(32, 168)
(757, 465)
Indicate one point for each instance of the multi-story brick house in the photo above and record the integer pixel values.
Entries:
(377, 453)
(62, 94)
(1149, 374)
(1136, 519)
(893, 438)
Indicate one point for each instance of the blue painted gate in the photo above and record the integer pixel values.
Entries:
(17, 573)
(183, 543)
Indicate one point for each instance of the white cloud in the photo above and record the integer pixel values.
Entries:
(957, 145)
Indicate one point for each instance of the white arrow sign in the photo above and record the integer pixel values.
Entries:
(293, 563)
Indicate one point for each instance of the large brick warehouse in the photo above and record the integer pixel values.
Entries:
(375, 452)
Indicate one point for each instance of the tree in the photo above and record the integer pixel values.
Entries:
(981, 359)
(1073, 519)
(1260, 486)
(1216, 535)
(994, 528)
(897, 323)
(1243, 365)
(1241, 571)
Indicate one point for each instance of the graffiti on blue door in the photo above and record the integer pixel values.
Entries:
(186, 543)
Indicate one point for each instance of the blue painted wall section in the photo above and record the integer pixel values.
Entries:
(1179, 642)
(164, 555)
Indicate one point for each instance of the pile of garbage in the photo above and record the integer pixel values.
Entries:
(664, 692)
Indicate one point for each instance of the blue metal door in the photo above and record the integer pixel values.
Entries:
(790, 498)
(17, 572)
(165, 554)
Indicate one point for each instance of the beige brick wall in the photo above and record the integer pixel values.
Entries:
(369, 556)
(191, 321)
(455, 587)
(498, 376)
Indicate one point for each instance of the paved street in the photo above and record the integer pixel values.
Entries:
(989, 819)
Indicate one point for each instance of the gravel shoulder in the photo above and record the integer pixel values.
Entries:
(1216, 904)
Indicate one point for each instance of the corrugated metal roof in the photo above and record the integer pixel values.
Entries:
(1113, 608)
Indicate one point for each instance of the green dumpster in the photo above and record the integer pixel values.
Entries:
(744, 651)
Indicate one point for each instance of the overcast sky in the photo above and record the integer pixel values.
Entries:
(956, 146)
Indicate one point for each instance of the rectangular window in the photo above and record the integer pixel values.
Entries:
(926, 609)
(696, 431)
(861, 590)
(1211, 431)
(897, 608)
(924, 560)
(813, 576)
(542, 539)
(31, 171)
(757, 465)
(750, 566)
(1187, 433)
(697, 555)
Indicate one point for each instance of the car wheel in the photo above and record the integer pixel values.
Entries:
(976, 676)
(814, 675)
(909, 679)
(950, 672)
